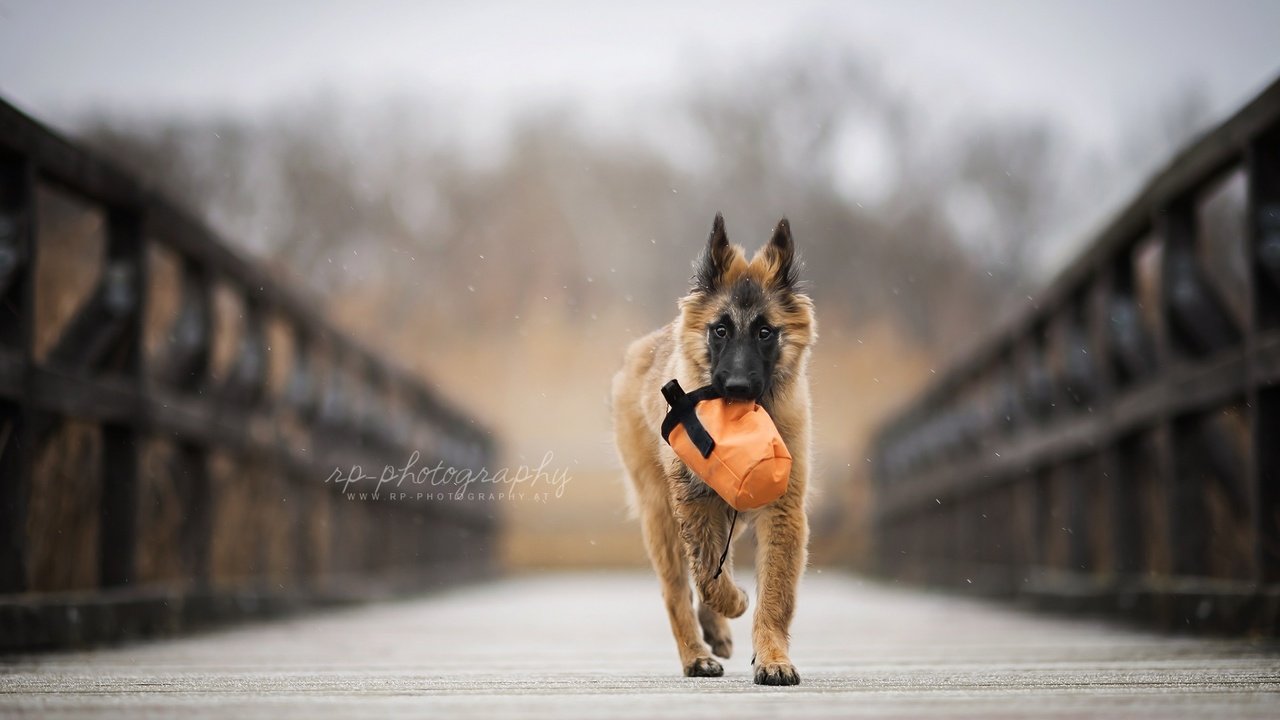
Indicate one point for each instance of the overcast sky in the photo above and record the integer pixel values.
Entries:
(1090, 64)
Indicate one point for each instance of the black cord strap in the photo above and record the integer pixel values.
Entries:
(727, 542)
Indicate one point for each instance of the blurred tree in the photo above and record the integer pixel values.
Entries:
(946, 225)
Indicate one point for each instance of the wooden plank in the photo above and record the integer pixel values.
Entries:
(69, 620)
(1186, 387)
(73, 394)
(862, 649)
(66, 164)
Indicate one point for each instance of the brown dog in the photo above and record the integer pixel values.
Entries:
(747, 328)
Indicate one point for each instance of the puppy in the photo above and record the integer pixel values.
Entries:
(746, 327)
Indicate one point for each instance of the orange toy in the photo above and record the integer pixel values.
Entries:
(733, 446)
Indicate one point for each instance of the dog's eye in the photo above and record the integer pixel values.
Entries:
(765, 333)
(721, 331)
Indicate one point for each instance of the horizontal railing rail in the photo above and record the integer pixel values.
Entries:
(1114, 446)
(192, 374)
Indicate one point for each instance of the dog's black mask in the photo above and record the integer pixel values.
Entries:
(743, 349)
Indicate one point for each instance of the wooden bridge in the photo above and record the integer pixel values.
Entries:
(1111, 452)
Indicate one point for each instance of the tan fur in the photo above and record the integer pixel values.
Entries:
(685, 535)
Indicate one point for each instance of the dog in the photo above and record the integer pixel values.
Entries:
(746, 327)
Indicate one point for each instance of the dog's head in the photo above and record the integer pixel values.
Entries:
(745, 325)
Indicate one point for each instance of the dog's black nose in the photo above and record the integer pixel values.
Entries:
(738, 387)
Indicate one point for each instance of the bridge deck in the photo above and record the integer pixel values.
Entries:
(598, 646)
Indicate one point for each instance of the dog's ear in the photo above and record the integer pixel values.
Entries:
(783, 270)
(709, 268)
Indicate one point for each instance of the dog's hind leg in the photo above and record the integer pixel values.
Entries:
(662, 540)
(715, 630)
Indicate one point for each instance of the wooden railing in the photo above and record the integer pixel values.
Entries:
(1116, 447)
(187, 367)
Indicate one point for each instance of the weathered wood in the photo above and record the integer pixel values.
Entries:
(1196, 320)
(1184, 478)
(1185, 388)
(197, 499)
(1265, 495)
(97, 373)
(123, 292)
(1126, 520)
(87, 175)
(863, 649)
(1262, 240)
(1136, 376)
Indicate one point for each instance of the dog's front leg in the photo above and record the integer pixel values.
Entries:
(782, 532)
(704, 527)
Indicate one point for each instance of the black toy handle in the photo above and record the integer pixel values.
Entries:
(682, 413)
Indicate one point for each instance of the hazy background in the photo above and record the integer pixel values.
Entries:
(501, 196)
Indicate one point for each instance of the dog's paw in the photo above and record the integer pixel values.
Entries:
(729, 600)
(716, 631)
(721, 645)
(739, 604)
(703, 667)
(781, 673)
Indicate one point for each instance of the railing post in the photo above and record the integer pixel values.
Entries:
(1077, 388)
(1077, 473)
(1035, 389)
(245, 393)
(198, 504)
(124, 286)
(1124, 357)
(17, 336)
(1126, 512)
(188, 369)
(1182, 306)
(300, 404)
(1263, 256)
(333, 428)
(1041, 505)
(1116, 484)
